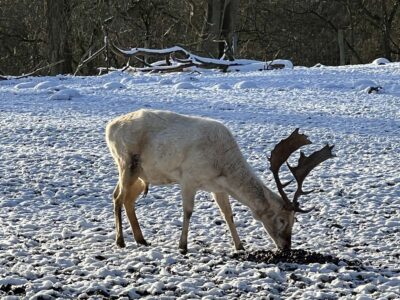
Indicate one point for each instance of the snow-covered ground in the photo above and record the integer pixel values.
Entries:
(57, 176)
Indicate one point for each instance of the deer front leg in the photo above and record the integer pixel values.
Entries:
(134, 191)
(222, 200)
(187, 204)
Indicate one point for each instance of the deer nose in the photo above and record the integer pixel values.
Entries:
(285, 246)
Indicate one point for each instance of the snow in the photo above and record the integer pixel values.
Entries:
(57, 177)
(65, 94)
(381, 61)
(184, 86)
(166, 81)
(246, 84)
(25, 85)
(221, 86)
(45, 85)
(251, 65)
(113, 85)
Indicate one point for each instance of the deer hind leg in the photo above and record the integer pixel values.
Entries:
(128, 174)
(222, 200)
(119, 239)
(188, 195)
(134, 191)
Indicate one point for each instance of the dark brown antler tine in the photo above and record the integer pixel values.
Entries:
(281, 153)
(285, 148)
(305, 165)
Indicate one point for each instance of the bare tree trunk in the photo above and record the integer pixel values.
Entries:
(383, 22)
(58, 20)
(386, 32)
(212, 28)
(218, 33)
(228, 33)
(341, 47)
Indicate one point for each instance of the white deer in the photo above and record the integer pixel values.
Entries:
(160, 147)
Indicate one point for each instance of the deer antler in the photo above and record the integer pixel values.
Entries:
(282, 152)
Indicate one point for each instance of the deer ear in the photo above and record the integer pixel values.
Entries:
(256, 215)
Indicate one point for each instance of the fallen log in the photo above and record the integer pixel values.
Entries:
(178, 59)
(189, 58)
(150, 52)
(163, 69)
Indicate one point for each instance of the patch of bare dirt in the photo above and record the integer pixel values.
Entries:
(297, 256)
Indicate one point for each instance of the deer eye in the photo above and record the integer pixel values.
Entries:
(281, 222)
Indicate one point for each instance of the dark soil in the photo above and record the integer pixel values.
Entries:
(297, 256)
(12, 290)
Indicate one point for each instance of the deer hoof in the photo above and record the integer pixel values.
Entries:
(120, 243)
(183, 247)
(143, 242)
(183, 251)
(239, 247)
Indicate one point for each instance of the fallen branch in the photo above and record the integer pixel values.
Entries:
(184, 61)
(198, 61)
(33, 72)
(150, 52)
(269, 64)
(88, 59)
(142, 61)
(163, 69)
(214, 64)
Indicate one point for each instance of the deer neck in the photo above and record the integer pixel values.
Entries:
(247, 188)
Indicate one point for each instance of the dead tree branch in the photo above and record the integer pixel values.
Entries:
(33, 72)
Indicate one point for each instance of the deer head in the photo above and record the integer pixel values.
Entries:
(280, 225)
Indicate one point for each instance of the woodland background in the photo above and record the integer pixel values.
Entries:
(34, 33)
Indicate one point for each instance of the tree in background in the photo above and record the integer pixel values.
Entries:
(218, 36)
(35, 33)
(383, 15)
(21, 36)
(58, 13)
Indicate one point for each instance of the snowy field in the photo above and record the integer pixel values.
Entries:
(57, 176)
